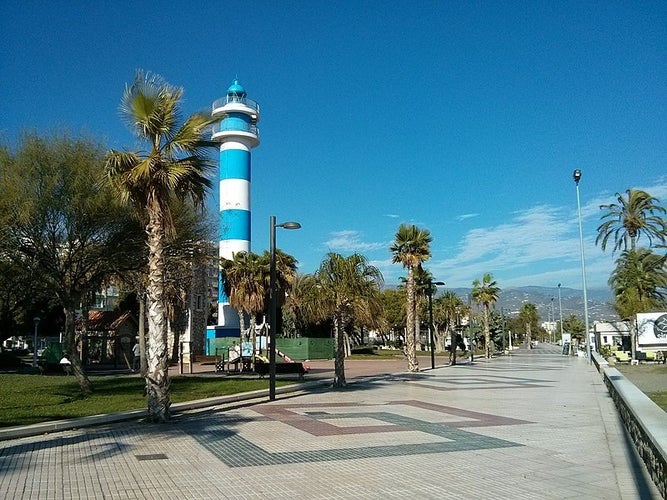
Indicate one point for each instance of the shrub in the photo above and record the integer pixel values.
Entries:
(9, 361)
(605, 351)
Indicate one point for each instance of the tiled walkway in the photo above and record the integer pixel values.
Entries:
(532, 425)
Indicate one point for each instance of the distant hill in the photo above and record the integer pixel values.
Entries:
(572, 300)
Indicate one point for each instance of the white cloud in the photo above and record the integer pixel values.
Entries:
(538, 246)
(350, 241)
(466, 216)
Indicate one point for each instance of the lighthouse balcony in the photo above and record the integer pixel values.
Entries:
(235, 104)
(220, 130)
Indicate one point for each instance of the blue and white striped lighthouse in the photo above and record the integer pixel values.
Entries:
(237, 134)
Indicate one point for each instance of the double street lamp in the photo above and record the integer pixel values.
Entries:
(429, 290)
(577, 177)
(273, 311)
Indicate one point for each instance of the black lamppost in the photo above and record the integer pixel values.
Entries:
(577, 177)
(470, 333)
(34, 344)
(429, 290)
(272, 291)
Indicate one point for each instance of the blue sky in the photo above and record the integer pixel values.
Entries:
(465, 118)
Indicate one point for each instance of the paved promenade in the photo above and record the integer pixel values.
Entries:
(528, 426)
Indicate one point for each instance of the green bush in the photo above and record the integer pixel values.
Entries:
(363, 350)
(605, 351)
(9, 361)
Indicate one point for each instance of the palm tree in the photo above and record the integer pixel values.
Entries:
(450, 308)
(486, 293)
(174, 165)
(528, 315)
(633, 216)
(411, 248)
(300, 301)
(286, 266)
(245, 285)
(639, 283)
(349, 289)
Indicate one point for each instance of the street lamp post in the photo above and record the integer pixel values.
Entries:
(560, 312)
(470, 334)
(273, 310)
(34, 344)
(553, 320)
(577, 177)
(430, 319)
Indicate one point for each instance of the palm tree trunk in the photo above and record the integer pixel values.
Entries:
(339, 363)
(157, 376)
(410, 348)
(487, 333)
(143, 366)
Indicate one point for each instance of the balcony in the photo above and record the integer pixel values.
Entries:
(234, 103)
(238, 128)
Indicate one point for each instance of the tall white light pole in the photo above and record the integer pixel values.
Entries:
(272, 286)
(560, 312)
(577, 177)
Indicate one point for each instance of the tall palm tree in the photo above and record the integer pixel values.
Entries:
(411, 248)
(486, 293)
(286, 266)
(639, 284)
(173, 165)
(349, 289)
(633, 216)
(528, 315)
(450, 309)
(300, 301)
(245, 285)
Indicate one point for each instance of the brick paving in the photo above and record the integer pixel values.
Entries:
(527, 426)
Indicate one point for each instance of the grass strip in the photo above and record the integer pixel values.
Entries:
(30, 399)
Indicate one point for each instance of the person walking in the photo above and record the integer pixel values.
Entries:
(136, 359)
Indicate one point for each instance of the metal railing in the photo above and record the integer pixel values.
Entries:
(229, 99)
(236, 126)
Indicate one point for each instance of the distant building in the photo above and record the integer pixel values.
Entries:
(108, 338)
(612, 333)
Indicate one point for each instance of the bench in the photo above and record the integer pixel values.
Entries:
(622, 356)
(294, 367)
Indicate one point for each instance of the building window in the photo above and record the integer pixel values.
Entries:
(200, 303)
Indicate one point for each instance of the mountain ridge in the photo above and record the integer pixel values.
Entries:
(546, 301)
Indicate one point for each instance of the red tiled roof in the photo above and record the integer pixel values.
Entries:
(108, 320)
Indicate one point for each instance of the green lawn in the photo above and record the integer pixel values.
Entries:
(29, 399)
(650, 378)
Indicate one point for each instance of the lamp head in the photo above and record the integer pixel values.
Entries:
(577, 176)
(290, 225)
